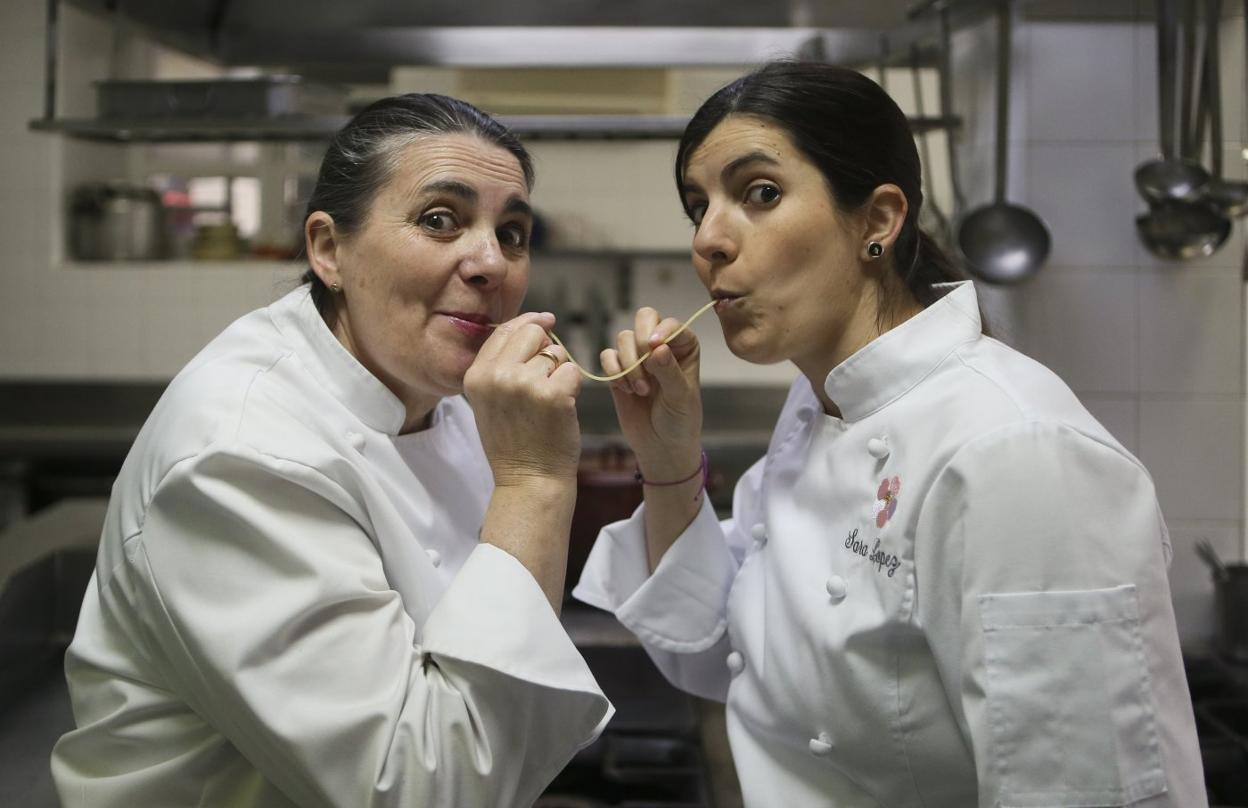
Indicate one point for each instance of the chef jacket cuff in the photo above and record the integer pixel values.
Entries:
(682, 607)
(495, 615)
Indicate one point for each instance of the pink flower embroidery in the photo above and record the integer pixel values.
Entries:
(886, 500)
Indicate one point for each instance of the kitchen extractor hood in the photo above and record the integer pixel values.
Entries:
(313, 37)
(365, 40)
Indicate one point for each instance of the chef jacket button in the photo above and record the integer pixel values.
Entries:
(759, 532)
(878, 447)
(356, 440)
(435, 558)
(822, 745)
(805, 414)
(837, 588)
(736, 662)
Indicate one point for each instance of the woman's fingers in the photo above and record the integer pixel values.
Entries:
(518, 338)
(681, 345)
(667, 360)
(645, 321)
(626, 348)
(548, 359)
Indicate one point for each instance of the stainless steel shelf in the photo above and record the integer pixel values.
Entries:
(321, 128)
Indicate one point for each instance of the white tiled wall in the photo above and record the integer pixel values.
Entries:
(1154, 348)
(81, 323)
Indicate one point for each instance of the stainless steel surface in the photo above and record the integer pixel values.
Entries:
(1003, 243)
(362, 39)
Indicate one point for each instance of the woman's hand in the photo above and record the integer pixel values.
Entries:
(525, 404)
(659, 404)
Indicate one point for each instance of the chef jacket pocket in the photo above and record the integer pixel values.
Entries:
(1069, 698)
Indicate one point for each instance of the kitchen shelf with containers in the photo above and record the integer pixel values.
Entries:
(218, 171)
(607, 259)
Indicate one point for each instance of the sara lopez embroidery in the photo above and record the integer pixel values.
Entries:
(886, 563)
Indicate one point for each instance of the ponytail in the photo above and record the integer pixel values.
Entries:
(933, 265)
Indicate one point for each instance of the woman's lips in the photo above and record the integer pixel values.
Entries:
(474, 325)
(725, 303)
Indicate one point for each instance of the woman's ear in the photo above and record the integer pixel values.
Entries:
(884, 214)
(321, 242)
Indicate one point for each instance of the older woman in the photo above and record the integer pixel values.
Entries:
(945, 584)
(324, 578)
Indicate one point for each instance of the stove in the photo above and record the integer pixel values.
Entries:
(1220, 700)
(650, 755)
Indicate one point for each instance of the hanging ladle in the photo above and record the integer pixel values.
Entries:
(1180, 229)
(1003, 243)
(939, 222)
(1169, 177)
(1228, 197)
(946, 111)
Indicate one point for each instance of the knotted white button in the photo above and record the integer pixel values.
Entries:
(878, 447)
(759, 532)
(435, 558)
(356, 440)
(822, 745)
(805, 414)
(736, 662)
(837, 588)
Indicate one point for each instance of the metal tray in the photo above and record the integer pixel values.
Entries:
(263, 97)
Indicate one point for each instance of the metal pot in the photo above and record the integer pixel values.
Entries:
(1230, 598)
(115, 221)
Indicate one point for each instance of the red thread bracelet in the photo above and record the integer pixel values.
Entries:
(700, 470)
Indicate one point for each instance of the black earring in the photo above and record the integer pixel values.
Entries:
(875, 249)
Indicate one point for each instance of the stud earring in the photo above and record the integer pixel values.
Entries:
(875, 249)
(335, 287)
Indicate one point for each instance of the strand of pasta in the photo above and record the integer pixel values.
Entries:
(636, 364)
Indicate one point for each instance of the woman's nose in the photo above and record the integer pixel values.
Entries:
(485, 264)
(714, 241)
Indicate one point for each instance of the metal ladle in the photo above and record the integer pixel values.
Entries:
(1169, 177)
(1001, 242)
(1229, 197)
(1175, 228)
(946, 111)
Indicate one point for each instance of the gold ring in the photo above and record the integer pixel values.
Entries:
(549, 354)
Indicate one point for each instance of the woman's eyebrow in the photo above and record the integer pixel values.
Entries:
(518, 205)
(469, 195)
(745, 161)
(733, 167)
(452, 187)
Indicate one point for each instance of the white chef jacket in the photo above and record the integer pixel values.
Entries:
(953, 595)
(291, 606)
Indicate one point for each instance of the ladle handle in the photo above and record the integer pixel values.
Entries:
(1189, 84)
(1166, 32)
(1003, 96)
(1213, 10)
(946, 108)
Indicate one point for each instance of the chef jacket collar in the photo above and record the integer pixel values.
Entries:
(333, 366)
(897, 360)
